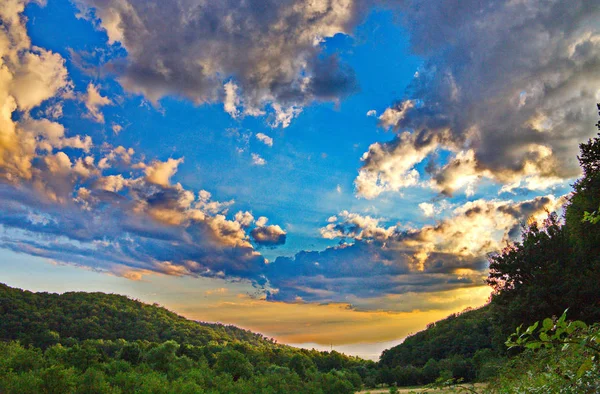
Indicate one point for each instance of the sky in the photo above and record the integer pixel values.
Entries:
(331, 173)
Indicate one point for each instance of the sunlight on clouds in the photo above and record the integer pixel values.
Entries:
(93, 101)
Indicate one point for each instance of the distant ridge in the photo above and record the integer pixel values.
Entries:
(38, 318)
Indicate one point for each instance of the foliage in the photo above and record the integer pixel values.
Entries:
(561, 357)
(445, 348)
(554, 332)
(532, 278)
(44, 319)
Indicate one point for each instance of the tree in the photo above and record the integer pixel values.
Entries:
(161, 357)
(233, 363)
(302, 365)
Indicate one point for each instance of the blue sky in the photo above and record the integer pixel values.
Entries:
(356, 159)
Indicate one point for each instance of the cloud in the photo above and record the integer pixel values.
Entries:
(283, 115)
(427, 208)
(116, 128)
(29, 77)
(271, 235)
(257, 160)
(371, 112)
(263, 52)
(507, 88)
(265, 139)
(231, 100)
(245, 219)
(374, 260)
(160, 172)
(390, 166)
(93, 101)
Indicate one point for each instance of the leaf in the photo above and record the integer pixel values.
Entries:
(548, 324)
(578, 324)
(532, 328)
(562, 318)
(586, 366)
(533, 345)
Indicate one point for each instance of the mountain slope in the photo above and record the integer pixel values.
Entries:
(41, 319)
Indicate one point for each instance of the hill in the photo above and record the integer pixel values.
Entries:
(42, 319)
(459, 334)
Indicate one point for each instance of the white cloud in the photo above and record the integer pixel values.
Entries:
(265, 139)
(160, 172)
(283, 116)
(94, 101)
(390, 166)
(427, 208)
(257, 160)
(231, 100)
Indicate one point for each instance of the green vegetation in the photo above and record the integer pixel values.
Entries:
(43, 319)
(102, 343)
(455, 347)
(561, 356)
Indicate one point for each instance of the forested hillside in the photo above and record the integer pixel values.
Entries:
(103, 343)
(42, 319)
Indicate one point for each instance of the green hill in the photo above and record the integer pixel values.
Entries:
(458, 334)
(43, 318)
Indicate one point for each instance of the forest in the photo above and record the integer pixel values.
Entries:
(538, 333)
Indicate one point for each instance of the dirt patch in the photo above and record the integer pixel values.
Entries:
(423, 389)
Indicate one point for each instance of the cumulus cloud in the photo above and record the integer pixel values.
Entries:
(271, 235)
(265, 139)
(245, 219)
(160, 172)
(30, 76)
(263, 52)
(94, 101)
(427, 208)
(390, 166)
(257, 160)
(377, 260)
(507, 87)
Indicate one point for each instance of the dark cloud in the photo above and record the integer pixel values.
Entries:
(271, 235)
(508, 86)
(191, 48)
